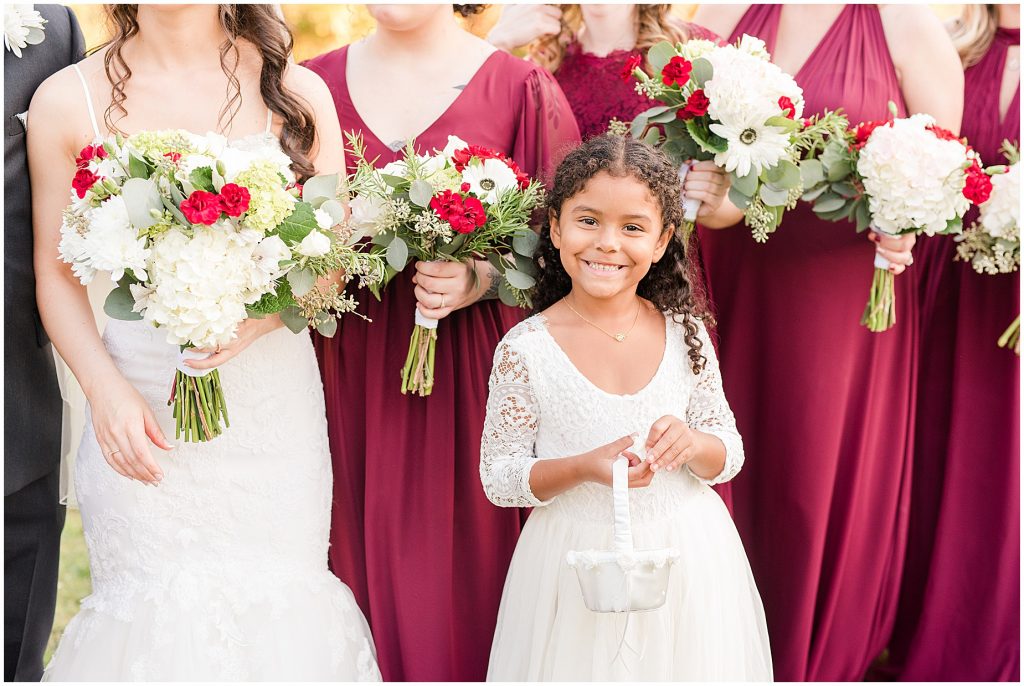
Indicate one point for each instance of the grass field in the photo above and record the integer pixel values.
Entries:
(73, 582)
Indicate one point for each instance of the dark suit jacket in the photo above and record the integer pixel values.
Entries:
(32, 403)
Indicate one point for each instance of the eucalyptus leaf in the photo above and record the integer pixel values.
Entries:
(828, 202)
(811, 173)
(119, 304)
(327, 328)
(518, 279)
(335, 209)
(738, 199)
(382, 239)
(812, 194)
(292, 317)
(527, 266)
(319, 189)
(660, 54)
(652, 137)
(506, 295)
(839, 171)
(301, 281)
(420, 192)
(141, 196)
(845, 189)
(784, 175)
(453, 245)
(394, 181)
(397, 254)
(655, 111)
(702, 71)
(637, 127)
(664, 117)
(747, 185)
(525, 242)
(863, 215)
(773, 196)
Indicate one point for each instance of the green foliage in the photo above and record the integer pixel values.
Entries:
(119, 303)
(202, 179)
(298, 224)
(272, 303)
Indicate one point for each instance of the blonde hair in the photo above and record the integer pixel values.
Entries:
(972, 32)
(654, 24)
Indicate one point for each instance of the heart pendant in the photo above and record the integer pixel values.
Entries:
(620, 337)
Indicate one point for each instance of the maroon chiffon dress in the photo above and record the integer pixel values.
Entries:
(595, 88)
(825, 407)
(411, 532)
(959, 613)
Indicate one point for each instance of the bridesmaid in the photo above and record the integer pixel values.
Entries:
(826, 407)
(961, 581)
(412, 532)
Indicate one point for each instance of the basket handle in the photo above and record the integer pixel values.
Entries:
(620, 502)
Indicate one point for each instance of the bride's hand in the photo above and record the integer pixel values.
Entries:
(123, 422)
(247, 332)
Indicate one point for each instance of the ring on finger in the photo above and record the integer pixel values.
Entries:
(216, 351)
(442, 301)
(113, 452)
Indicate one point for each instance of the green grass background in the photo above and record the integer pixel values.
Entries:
(73, 582)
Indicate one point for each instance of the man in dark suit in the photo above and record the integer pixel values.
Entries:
(33, 517)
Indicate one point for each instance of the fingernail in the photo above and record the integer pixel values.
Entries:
(159, 477)
(654, 467)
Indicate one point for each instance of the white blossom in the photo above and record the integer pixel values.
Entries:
(23, 26)
(315, 244)
(489, 179)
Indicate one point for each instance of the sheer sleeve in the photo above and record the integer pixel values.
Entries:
(709, 412)
(546, 127)
(506, 450)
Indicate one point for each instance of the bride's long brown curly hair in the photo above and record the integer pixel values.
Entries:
(261, 26)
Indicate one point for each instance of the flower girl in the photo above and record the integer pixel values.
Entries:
(617, 363)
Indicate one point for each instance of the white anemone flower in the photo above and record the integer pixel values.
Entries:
(752, 144)
(489, 179)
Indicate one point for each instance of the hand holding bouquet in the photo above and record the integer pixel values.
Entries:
(898, 177)
(200, 235)
(458, 204)
(992, 243)
(731, 104)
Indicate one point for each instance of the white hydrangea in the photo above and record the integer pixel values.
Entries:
(110, 243)
(696, 48)
(753, 46)
(913, 179)
(1000, 214)
(201, 285)
(743, 84)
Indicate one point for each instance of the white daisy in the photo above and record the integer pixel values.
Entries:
(489, 179)
(23, 26)
(751, 144)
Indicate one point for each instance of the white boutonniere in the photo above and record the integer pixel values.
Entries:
(23, 26)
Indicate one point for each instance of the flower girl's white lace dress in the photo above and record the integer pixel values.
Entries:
(712, 625)
(220, 572)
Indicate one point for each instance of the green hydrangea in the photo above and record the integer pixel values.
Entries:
(269, 202)
(155, 143)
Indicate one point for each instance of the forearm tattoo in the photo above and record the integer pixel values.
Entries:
(492, 291)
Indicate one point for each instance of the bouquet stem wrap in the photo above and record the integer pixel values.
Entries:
(880, 313)
(418, 372)
(690, 205)
(1011, 337)
(197, 398)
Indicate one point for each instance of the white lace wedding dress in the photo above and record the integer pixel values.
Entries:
(712, 625)
(220, 572)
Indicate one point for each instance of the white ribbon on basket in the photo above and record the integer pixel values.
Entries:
(690, 205)
(622, 540)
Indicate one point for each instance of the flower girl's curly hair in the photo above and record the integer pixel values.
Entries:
(260, 25)
(669, 283)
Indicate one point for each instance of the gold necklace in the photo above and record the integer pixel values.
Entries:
(620, 337)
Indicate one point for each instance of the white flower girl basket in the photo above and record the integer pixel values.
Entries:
(623, 579)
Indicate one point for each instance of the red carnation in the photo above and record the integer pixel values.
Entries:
(979, 186)
(788, 108)
(462, 158)
(464, 187)
(943, 134)
(89, 153)
(83, 181)
(696, 106)
(173, 156)
(473, 215)
(201, 207)
(234, 199)
(863, 132)
(446, 205)
(677, 71)
(632, 63)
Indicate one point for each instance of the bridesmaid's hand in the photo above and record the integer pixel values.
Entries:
(522, 24)
(125, 425)
(443, 287)
(709, 183)
(247, 333)
(670, 444)
(896, 249)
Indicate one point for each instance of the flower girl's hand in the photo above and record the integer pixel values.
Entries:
(247, 332)
(896, 249)
(670, 444)
(708, 183)
(123, 422)
(443, 287)
(598, 464)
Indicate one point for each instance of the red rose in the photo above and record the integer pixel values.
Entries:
(632, 63)
(89, 153)
(201, 207)
(677, 71)
(979, 186)
(696, 106)
(234, 199)
(83, 181)
(788, 108)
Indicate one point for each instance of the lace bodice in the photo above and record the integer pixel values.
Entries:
(541, 407)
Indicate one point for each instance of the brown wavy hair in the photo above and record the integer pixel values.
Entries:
(973, 31)
(654, 23)
(260, 25)
(468, 10)
(668, 284)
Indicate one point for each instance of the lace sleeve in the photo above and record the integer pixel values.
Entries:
(506, 450)
(709, 412)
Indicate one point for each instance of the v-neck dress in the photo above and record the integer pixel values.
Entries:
(825, 407)
(412, 533)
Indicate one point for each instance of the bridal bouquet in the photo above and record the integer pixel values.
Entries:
(899, 177)
(992, 243)
(464, 202)
(730, 104)
(198, 236)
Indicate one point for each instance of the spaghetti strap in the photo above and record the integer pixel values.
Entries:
(270, 121)
(88, 101)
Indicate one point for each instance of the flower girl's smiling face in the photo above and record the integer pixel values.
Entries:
(609, 234)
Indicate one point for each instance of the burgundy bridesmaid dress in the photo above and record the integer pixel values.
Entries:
(959, 613)
(412, 533)
(825, 407)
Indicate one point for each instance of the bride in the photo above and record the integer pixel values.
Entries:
(209, 561)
